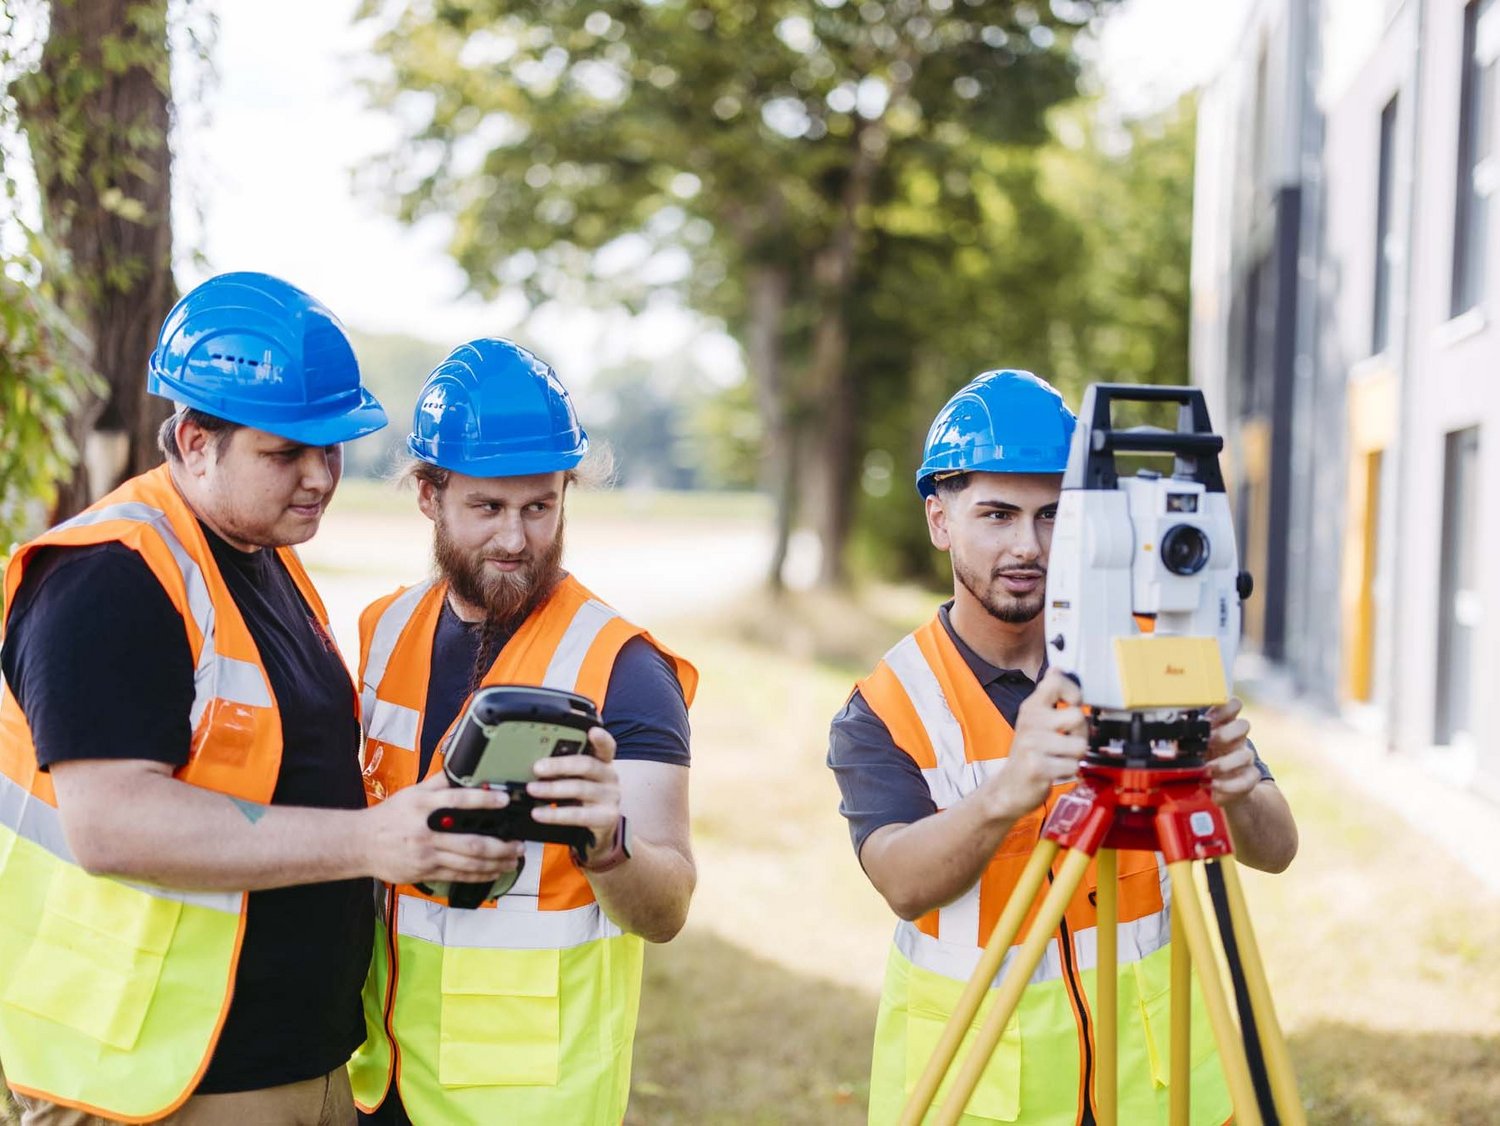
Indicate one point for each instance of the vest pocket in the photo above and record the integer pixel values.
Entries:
(1153, 984)
(96, 956)
(930, 998)
(500, 1023)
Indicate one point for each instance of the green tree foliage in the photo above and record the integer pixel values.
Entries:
(44, 376)
(91, 91)
(1077, 268)
(1129, 188)
(792, 164)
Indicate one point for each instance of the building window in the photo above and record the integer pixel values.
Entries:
(1459, 616)
(1478, 172)
(1385, 240)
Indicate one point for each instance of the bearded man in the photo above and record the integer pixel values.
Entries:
(523, 1010)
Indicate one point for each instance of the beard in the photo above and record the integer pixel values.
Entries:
(1003, 607)
(507, 598)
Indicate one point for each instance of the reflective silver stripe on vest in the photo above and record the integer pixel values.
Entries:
(953, 778)
(32, 819)
(1137, 939)
(391, 723)
(957, 960)
(225, 678)
(382, 645)
(502, 927)
(567, 661)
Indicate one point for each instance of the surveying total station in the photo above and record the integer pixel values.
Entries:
(1143, 610)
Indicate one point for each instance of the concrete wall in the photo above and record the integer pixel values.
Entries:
(1338, 450)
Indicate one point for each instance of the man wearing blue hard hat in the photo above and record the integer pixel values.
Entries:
(185, 848)
(523, 1010)
(948, 756)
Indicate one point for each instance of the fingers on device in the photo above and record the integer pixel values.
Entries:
(505, 730)
(1144, 584)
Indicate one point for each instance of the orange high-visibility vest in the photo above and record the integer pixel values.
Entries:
(522, 1010)
(112, 994)
(938, 713)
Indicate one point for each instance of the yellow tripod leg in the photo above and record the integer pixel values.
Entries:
(1106, 1034)
(1001, 938)
(1027, 959)
(1179, 1077)
(1272, 1042)
(1185, 902)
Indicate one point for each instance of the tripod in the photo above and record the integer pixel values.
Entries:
(1167, 809)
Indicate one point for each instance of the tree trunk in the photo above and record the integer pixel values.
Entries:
(831, 455)
(768, 290)
(97, 114)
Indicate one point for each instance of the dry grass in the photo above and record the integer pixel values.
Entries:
(1384, 957)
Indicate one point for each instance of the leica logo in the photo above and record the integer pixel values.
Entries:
(1173, 670)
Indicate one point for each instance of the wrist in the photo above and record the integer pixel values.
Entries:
(602, 858)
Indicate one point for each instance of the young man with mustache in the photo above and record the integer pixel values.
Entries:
(522, 1010)
(949, 755)
(185, 850)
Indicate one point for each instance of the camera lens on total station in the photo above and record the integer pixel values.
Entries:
(1184, 549)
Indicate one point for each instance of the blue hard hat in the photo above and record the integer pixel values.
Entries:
(492, 409)
(1001, 422)
(255, 350)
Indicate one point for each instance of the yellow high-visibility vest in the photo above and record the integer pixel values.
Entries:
(937, 712)
(523, 1010)
(112, 994)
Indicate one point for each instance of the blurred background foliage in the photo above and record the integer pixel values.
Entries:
(875, 200)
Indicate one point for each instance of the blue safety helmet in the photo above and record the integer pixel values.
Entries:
(1002, 422)
(492, 409)
(255, 350)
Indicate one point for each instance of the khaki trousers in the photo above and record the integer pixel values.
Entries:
(324, 1101)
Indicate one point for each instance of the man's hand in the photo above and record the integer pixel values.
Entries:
(1049, 743)
(588, 780)
(401, 849)
(1231, 762)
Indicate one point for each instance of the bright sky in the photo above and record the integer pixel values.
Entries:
(271, 174)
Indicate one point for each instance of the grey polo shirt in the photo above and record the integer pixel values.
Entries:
(879, 783)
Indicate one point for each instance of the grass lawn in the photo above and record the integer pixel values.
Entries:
(1383, 955)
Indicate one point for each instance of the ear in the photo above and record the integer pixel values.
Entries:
(429, 499)
(197, 446)
(937, 523)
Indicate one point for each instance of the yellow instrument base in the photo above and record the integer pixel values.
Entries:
(1170, 672)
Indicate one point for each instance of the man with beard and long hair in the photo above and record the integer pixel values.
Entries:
(523, 1010)
(948, 757)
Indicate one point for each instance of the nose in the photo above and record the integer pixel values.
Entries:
(1026, 546)
(510, 534)
(320, 468)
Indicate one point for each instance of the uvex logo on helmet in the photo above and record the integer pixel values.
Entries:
(253, 349)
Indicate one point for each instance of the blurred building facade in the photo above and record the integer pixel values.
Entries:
(1346, 327)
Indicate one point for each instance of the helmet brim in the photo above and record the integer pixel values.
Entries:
(497, 465)
(330, 430)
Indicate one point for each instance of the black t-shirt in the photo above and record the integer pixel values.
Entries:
(98, 659)
(879, 783)
(643, 708)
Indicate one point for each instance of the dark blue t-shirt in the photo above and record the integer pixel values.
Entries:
(99, 661)
(643, 707)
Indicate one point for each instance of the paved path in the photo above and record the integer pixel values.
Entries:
(649, 572)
